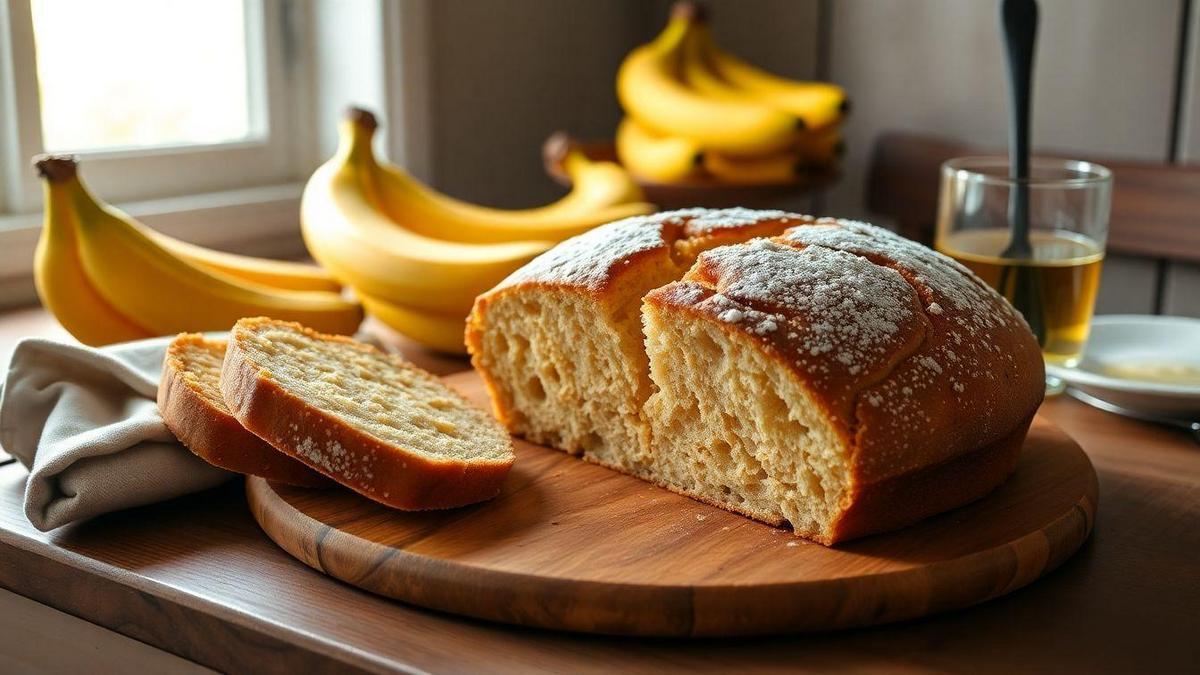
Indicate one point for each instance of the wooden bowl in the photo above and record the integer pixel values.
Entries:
(700, 191)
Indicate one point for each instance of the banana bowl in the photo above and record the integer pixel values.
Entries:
(701, 190)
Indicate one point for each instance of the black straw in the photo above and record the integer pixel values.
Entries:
(1019, 19)
(1019, 282)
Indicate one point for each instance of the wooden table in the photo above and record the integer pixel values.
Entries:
(197, 578)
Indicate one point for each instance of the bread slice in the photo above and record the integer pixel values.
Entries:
(370, 421)
(189, 398)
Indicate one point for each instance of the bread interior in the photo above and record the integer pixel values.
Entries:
(199, 361)
(733, 428)
(369, 390)
(573, 370)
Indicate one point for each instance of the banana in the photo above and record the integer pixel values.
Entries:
(650, 90)
(139, 277)
(659, 158)
(780, 167)
(601, 193)
(276, 273)
(58, 271)
(821, 148)
(441, 332)
(818, 104)
(348, 234)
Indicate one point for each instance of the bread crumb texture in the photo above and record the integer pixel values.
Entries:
(198, 359)
(771, 363)
(404, 408)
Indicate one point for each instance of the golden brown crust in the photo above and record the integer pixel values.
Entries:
(911, 497)
(601, 258)
(928, 377)
(934, 412)
(213, 434)
(975, 375)
(394, 476)
(601, 262)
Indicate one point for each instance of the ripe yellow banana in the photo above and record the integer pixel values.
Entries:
(346, 230)
(58, 272)
(276, 273)
(821, 148)
(601, 193)
(143, 280)
(819, 104)
(441, 332)
(654, 157)
(651, 90)
(780, 167)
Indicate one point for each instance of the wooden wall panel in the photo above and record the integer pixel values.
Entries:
(1104, 80)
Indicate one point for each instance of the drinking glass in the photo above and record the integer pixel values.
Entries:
(1055, 286)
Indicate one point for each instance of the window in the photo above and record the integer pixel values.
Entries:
(159, 74)
(202, 118)
(157, 98)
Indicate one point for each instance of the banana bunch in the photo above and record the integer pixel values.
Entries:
(108, 278)
(418, 258)
(694, 110)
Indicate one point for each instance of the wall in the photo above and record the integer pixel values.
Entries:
(505, 75)
(1104, 85)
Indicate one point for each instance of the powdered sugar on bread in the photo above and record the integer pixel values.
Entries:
(190, 401)
(826, 376)
(589, 261)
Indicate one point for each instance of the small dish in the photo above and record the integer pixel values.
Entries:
(1148, 364)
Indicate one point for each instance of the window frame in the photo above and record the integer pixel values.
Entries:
(147, 173)
(261, 217)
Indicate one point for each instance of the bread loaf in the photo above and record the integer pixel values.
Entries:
(565, 330)
(835, 377)
(368, 420)
(189, 399)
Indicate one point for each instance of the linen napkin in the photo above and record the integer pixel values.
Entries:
(85, 423)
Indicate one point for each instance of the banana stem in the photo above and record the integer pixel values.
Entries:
(56, 168)
(356, 135)
(64, 185)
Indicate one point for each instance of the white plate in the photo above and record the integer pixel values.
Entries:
(1123, 343)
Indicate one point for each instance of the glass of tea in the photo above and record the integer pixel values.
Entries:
(1053, 282)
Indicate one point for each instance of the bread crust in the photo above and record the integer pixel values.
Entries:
(900, 500)
(394, 476)
(218, 438)
(659, 247)
(931, 410)
(921, 438)
(914, 496)
(671, 238)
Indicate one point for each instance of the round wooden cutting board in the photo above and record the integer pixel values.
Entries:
(573, 546)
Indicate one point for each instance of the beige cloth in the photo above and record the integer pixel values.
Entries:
(85, 423)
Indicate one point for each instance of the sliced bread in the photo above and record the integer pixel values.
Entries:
(369, 420)
(830, 375)
(189, 398)
(559, 342)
